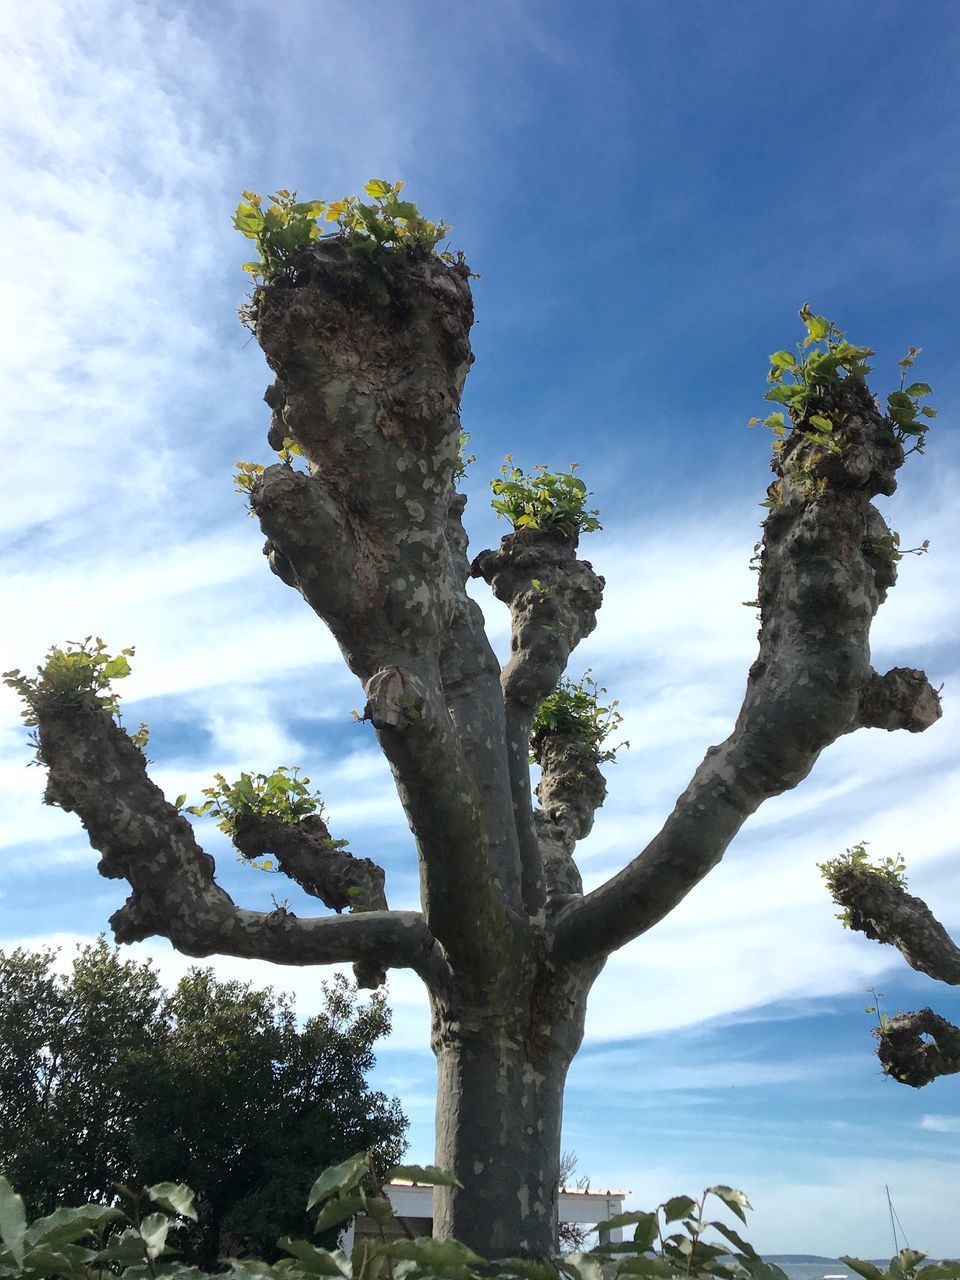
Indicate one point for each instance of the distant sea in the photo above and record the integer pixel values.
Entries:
(818, 1269)
(813, 1270)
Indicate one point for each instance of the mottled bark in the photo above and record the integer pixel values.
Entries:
(305, 851)
(570, 790)
(822, 577)
(502, 1059)
(471, 683)
(913, 1059)
(98, 773)
(370, 391)
(553, 599)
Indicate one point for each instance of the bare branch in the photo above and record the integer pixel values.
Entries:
(913, 1060)
(885, 912)
(822, 578)
(97, 772)
(368, 385)
(570, 790)
(553, 599)
(902, 699)
(307, 854)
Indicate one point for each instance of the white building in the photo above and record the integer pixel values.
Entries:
(414, 1207)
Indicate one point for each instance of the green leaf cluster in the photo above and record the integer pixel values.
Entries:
(856, 861)
(282, 794)
(548, 501)
(889, 547)
(905, 1266)
(801, 381)
(80, 674)
(575, 707)
(288, 226)
(247, 474)
(656, 1250)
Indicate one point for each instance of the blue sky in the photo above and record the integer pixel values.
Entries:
(649, 191)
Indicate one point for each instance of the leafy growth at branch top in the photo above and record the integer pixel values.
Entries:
(547, 501)
(248, 473)
(856, 861)
(574, 708)
(78, 675)
(281, 794)
(288, 226)
(823, 361)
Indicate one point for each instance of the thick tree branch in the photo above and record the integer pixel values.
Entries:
(913, 1060)
(885, 912)
(570, 790)
(96, 772)
(553, 599)
(824, 572)
(471, 685)
(306, 852)
(368, 385)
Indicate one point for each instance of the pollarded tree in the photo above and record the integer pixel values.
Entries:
(367, 332)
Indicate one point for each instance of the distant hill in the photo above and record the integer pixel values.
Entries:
(799, 1257)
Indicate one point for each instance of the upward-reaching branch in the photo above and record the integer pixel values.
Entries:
(553, 599)
(368, 385)
(825, 569)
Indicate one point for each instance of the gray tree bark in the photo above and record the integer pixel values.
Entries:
(885, 912)
(371, 537)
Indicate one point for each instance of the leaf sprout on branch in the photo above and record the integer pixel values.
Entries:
(574, 708)
(77, 675)
(282, 794)
(856, 861)
(288, 226)
(547, 501)
(823, 361)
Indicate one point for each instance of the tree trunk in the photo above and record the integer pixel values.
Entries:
(501, 1064)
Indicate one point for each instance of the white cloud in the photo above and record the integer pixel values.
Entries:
(940, 1124)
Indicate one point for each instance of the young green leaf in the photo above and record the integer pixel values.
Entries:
(338, 1179)
(427, 1175)
(175, 1196)
(13, 1220)
(733, 1199)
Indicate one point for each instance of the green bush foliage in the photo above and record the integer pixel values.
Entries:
(677, 1239)
(106, 1078)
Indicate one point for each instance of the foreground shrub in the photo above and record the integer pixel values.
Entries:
(131, 1239)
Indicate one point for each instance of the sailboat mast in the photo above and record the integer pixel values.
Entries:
(894, 1223)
